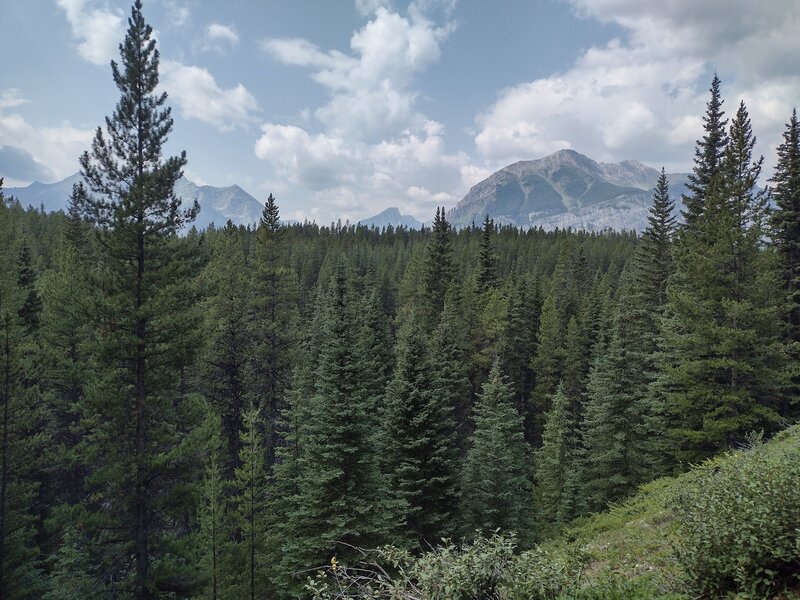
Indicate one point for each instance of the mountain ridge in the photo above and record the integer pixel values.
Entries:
(566, 189)
(217, 204)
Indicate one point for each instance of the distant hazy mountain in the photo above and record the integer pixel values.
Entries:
(566, 189)
(217, 204)
(391, 216)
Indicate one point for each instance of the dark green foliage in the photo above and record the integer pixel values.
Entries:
(420, 445)
(450, 360)
(487, 261)
(723, 363)
(707, 155)
(547, 364)
(653, 258)
(273, 322)
(226, 369)
(496, 481)
(555, 461)
(245, 576)
(438, 271)
(786, 235)
(342, 500)
(30, 310)
(738, 523)
(145, 323)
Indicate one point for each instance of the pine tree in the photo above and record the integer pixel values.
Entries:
(786, 235)
(707, 155)
(496, 481)
(438, 270)
(722, 363)
(31, 308)
(342, 500)
(20, 575)
(487, 261)
(653, 258)
(450, 361)
(518, 343)
(212, 513)
(226, 370)
(420, 447)
(547, 366)
(554, 462)
(273, 321)
(247, 574)
(146, 328)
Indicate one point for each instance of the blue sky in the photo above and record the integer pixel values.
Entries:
(344, 108)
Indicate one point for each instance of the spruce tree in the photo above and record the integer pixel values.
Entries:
(273, 321)
(496, 480)
(707, 155)
(653, 258)
(226, 369)
(554, 462)
(146, 330)
(420, 448)
(518, 343)
(20, 574)
(722, 363)
(786, 235)
(487, 261)
(246, 577)
(438, 270)
(547, 365)
(342, 500)
(450, 360)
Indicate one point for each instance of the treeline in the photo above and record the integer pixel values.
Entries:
(217, 414)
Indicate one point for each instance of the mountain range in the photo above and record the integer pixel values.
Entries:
(217, 204)
(566, 189)
(391, 216)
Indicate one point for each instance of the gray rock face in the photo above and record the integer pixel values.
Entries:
(391, 216)
(566, 189)
(217, 204)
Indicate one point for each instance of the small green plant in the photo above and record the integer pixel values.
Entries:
(739, 522)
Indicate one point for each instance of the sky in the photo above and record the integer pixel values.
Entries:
(343, 108)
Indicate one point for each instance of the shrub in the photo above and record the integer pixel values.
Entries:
(739, 521)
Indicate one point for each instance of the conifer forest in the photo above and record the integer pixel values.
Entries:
(295, 410)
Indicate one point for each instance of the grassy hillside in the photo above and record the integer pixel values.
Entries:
(727, 528)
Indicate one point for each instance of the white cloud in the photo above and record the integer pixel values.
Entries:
(179, 13)
(56, 147)
(219, 38)
(98, 30)
(198, 95)
(10, 98)
(643, 96)
(372, 146)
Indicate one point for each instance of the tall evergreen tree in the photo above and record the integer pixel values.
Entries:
(146, 329)
(707, 155)
(450, 361)
(555, 461)
(786, 234)
(273, 321)
(487, 261)
(247, 574)
(225, 372)
(342, 500)
(653, 258)
(496, 481)
(213, 514)
(438, 271)
(547, 366)
(420, 448)
(723, 365)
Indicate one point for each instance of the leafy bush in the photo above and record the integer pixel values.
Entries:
(739, 521)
